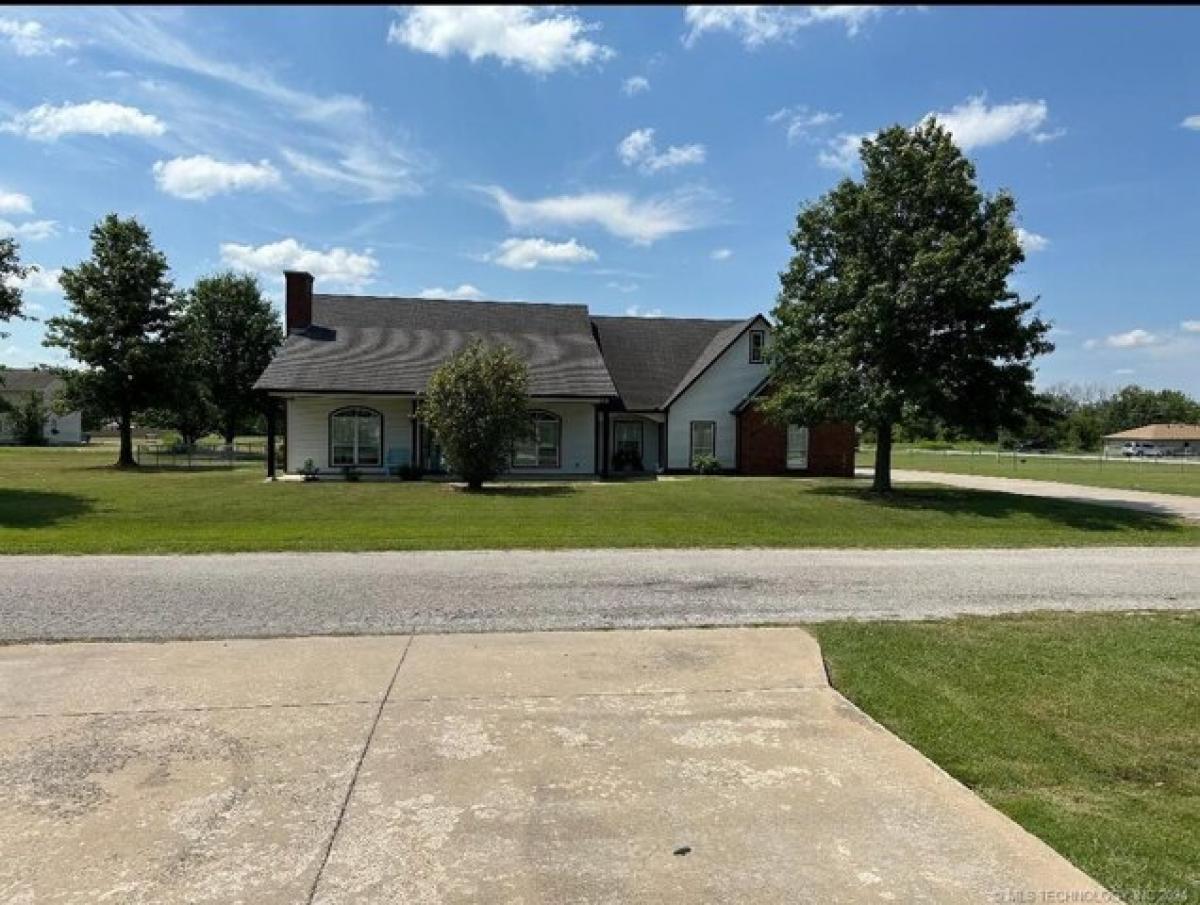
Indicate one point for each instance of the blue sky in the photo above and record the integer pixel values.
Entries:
(648, 160)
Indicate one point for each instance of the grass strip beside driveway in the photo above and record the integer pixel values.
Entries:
(1085, 729)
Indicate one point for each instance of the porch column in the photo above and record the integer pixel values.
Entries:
(270, 439)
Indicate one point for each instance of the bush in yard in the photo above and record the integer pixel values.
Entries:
(29, 421)
(706, 465)
(475, 404)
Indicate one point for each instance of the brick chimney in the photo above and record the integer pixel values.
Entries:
(298, 300)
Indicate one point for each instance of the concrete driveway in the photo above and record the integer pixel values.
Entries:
(1169, 504)
(274, 594)
(686, 766)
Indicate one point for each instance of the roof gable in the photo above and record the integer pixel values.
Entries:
(25, 380)
(648, 357)
(715, 349)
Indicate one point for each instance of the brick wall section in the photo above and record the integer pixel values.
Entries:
(762, 447)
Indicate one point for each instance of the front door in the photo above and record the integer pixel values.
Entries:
(628, 446)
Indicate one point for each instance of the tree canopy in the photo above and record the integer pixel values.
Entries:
(896, 303)
(231, 332)
(11, 273)
(476, 405)
(120, 324)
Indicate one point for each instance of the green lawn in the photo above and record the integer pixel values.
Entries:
(71, 501)
(1085, 729)
(1164, 476)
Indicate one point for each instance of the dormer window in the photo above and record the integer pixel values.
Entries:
(758, 341)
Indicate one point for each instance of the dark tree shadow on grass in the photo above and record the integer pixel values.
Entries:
(516, 490)
(953, 501)
(39, 508)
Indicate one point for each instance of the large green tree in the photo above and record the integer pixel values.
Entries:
(896, 304)
(11, 274)
(232, 332)
(121, 324)
(476, 405)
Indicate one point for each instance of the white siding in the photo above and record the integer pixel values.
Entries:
(308, 431)
(58, 429)
(578, 454)
(649, 438)
(308, 428)
(712, 398)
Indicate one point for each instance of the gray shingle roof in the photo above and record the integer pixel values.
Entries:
(375, 344)
(23, 380)
(651, 359)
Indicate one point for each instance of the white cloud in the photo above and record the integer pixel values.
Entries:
(34, 230)
(527, 254)
(798, 122)
(639, 311)
(1031, 241)
(721, 254)
(29, 38)
(638, 149)
(462, 291)
(841, 153)
(15, 203)
(1124, 372)
(1192, 122)
(635, 85)
(38, 280)
(199, 178)
(641, 221)
(1190, 326)
(338, 266)
(373, 173)
(759, 25)
(537, 39)
(1133, 339)
(623, 288)
(975, 125)
(48, 123)
(337, 142)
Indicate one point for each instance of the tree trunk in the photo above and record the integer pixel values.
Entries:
(125, 459)
(883, 458)
(474, 484)
(229, 435)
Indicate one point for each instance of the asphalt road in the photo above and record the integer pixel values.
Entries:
(291, 594)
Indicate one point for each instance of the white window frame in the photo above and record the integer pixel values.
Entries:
(757, 354)
(529, 453)
(360, 415)
(693, 451)
(798, 442)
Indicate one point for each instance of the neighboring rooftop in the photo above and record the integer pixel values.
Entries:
(1159, 432)
(377, 344)
(651, 359)
(25, 380)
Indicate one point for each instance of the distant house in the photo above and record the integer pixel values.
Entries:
(15, 386)
(607, 394)
(1172, 439)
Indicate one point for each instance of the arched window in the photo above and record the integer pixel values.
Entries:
(543, 448)
(355, 437)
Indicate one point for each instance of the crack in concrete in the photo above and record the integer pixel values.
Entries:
(337, 826)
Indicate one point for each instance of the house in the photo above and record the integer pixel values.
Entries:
(15, 386)
(607, 394)
(1172, 439)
